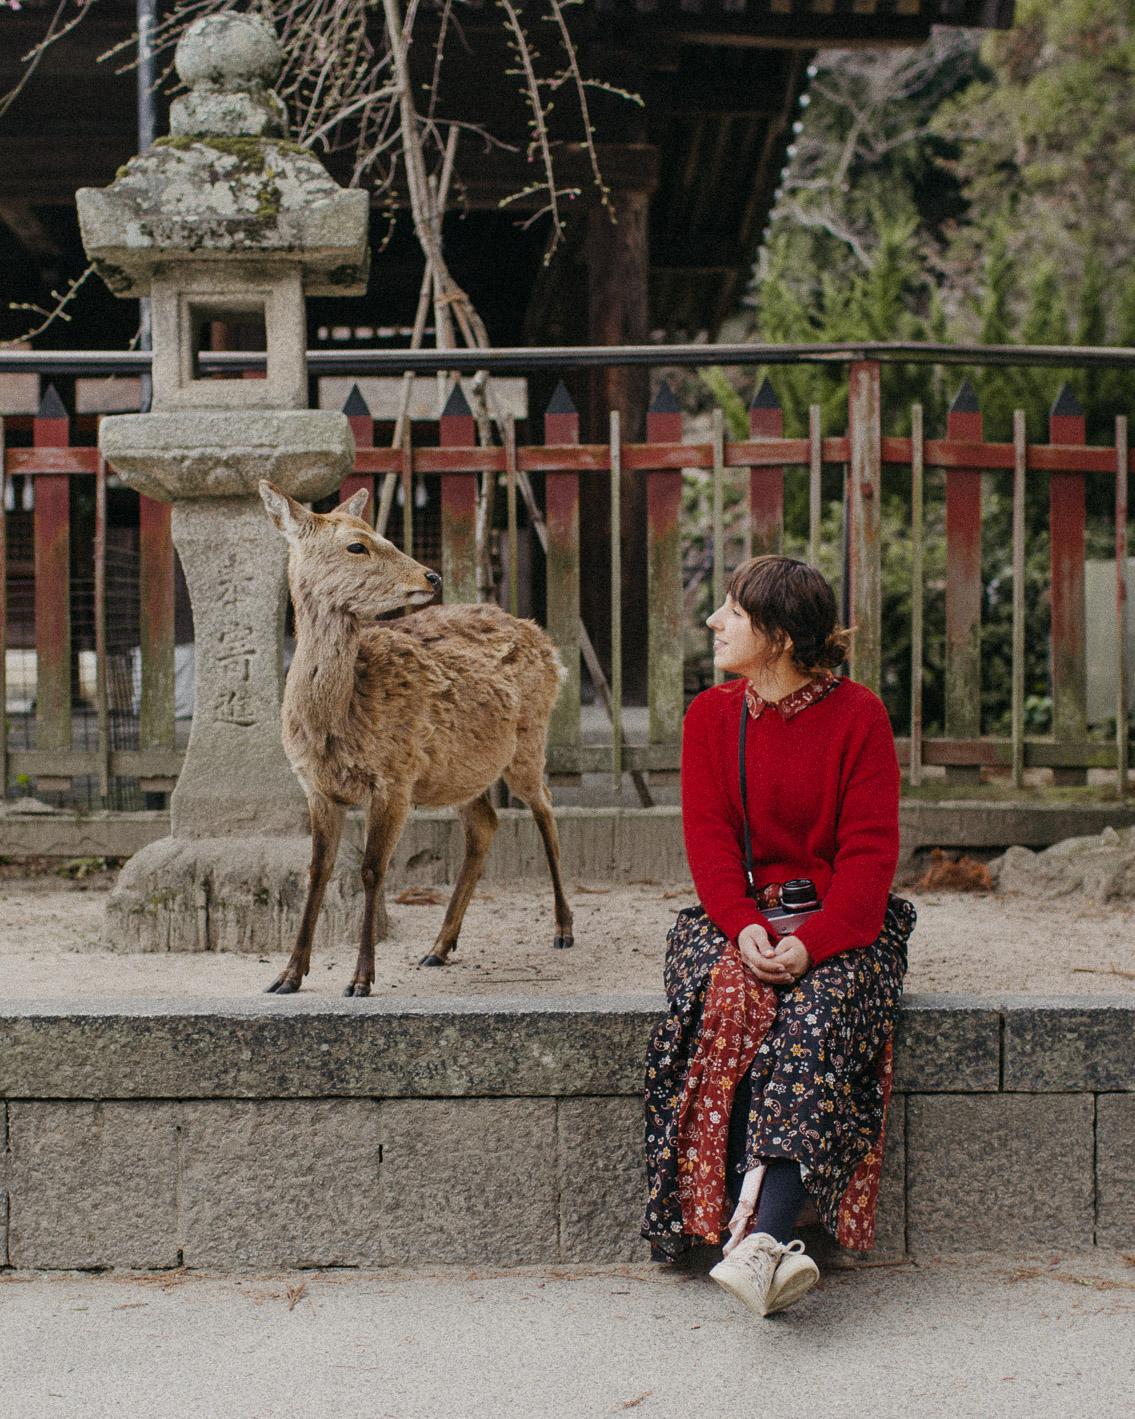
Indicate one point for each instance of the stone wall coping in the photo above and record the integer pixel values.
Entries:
(602, 843)
(651, 1004)
(496, 1047)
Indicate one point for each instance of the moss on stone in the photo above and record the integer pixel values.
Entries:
(268, 209)
(246, 149)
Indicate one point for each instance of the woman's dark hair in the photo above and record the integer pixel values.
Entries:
(786, 599)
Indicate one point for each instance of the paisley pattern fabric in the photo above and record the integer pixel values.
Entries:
(820, 1056)
(737, 1014)
(799, 699)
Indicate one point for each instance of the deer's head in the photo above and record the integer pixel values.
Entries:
(341, 563)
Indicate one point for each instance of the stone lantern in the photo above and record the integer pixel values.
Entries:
(227, 221)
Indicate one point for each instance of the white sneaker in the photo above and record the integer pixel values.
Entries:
(766, 1275)
(795, 1274)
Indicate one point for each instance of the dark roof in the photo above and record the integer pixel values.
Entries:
(721, 81)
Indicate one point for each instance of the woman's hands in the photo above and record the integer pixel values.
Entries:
(773, 964)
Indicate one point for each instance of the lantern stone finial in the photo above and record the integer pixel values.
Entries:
(229, 63)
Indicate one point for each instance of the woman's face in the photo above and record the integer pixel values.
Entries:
(737, 647)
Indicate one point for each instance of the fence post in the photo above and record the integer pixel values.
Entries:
(458, 505)
(1067, 517)
(52, 523)
(561, 511)
(1122, 669)
(718, 520)
(3, 616)
(766, 485)
(865, 487)
(615, 457)
(963, 585)
(1017, 710)
(157, 704)
(917, 592)
(362, 427)
(664, 577)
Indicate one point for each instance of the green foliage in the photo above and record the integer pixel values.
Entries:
(963, 192)
(732, 405)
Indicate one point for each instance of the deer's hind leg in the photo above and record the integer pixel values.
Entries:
(385, 820)
(479, 820)
(528, 784)
(326, 830)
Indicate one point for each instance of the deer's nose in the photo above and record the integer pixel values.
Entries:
(434, 580)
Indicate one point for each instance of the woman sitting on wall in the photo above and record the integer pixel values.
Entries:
(767, 1083)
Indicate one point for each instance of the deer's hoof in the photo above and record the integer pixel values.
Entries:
(283, 986)
(432, 960)
(562, 943)
(357, 987)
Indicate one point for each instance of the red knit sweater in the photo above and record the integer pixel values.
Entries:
(823, 790)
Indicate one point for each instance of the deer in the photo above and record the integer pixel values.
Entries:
(429, 710)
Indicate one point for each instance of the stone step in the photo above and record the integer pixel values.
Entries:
(603, 844)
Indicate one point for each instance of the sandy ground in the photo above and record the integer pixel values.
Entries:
(942, 1339)
(985, 944)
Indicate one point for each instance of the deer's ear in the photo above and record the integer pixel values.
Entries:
(356, 502)
(289, 516)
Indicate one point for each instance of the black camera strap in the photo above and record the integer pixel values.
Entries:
(749, 875)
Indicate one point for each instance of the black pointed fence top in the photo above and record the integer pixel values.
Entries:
(561, 402)
(1065, 402)
(456, 406)
(664, 401)
(765, 396)
(356, 406)
(965, 401)
(51, 406)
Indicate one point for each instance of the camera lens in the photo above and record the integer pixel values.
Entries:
(798, 894)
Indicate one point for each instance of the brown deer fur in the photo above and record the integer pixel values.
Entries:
(426, 711)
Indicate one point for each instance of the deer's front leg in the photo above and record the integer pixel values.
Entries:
(326, 829)
(386, 817)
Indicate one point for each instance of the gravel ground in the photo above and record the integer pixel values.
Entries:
(996, 943)
(964, 1338)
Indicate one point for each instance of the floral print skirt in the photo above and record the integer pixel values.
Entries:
(820, 1075)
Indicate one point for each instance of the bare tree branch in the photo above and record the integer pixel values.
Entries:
(57, 312)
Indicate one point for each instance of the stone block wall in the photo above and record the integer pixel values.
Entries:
(356, 1133)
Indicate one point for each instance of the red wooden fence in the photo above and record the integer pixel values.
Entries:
(54, 464)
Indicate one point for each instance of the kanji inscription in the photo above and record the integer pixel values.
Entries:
(235, 653)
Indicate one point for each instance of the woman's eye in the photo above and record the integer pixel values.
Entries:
(356, 547)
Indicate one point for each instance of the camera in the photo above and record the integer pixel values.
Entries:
(798, 901)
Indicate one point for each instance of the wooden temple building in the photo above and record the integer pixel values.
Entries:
(692, 173)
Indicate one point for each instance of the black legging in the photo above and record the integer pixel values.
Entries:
(783, 1193)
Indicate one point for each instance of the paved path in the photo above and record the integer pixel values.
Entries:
(1053, 1335)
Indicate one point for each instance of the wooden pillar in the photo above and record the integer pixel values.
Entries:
(766, 485)
(561, 509)
(1067, 516)
(618, 271)
(618, 267)
(458, 505)
(52, 536)
(157, 703)
(963, 586)
(864, 490)
(362, 427)
(663, 600)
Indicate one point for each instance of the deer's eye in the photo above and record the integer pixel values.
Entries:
(356, 547)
